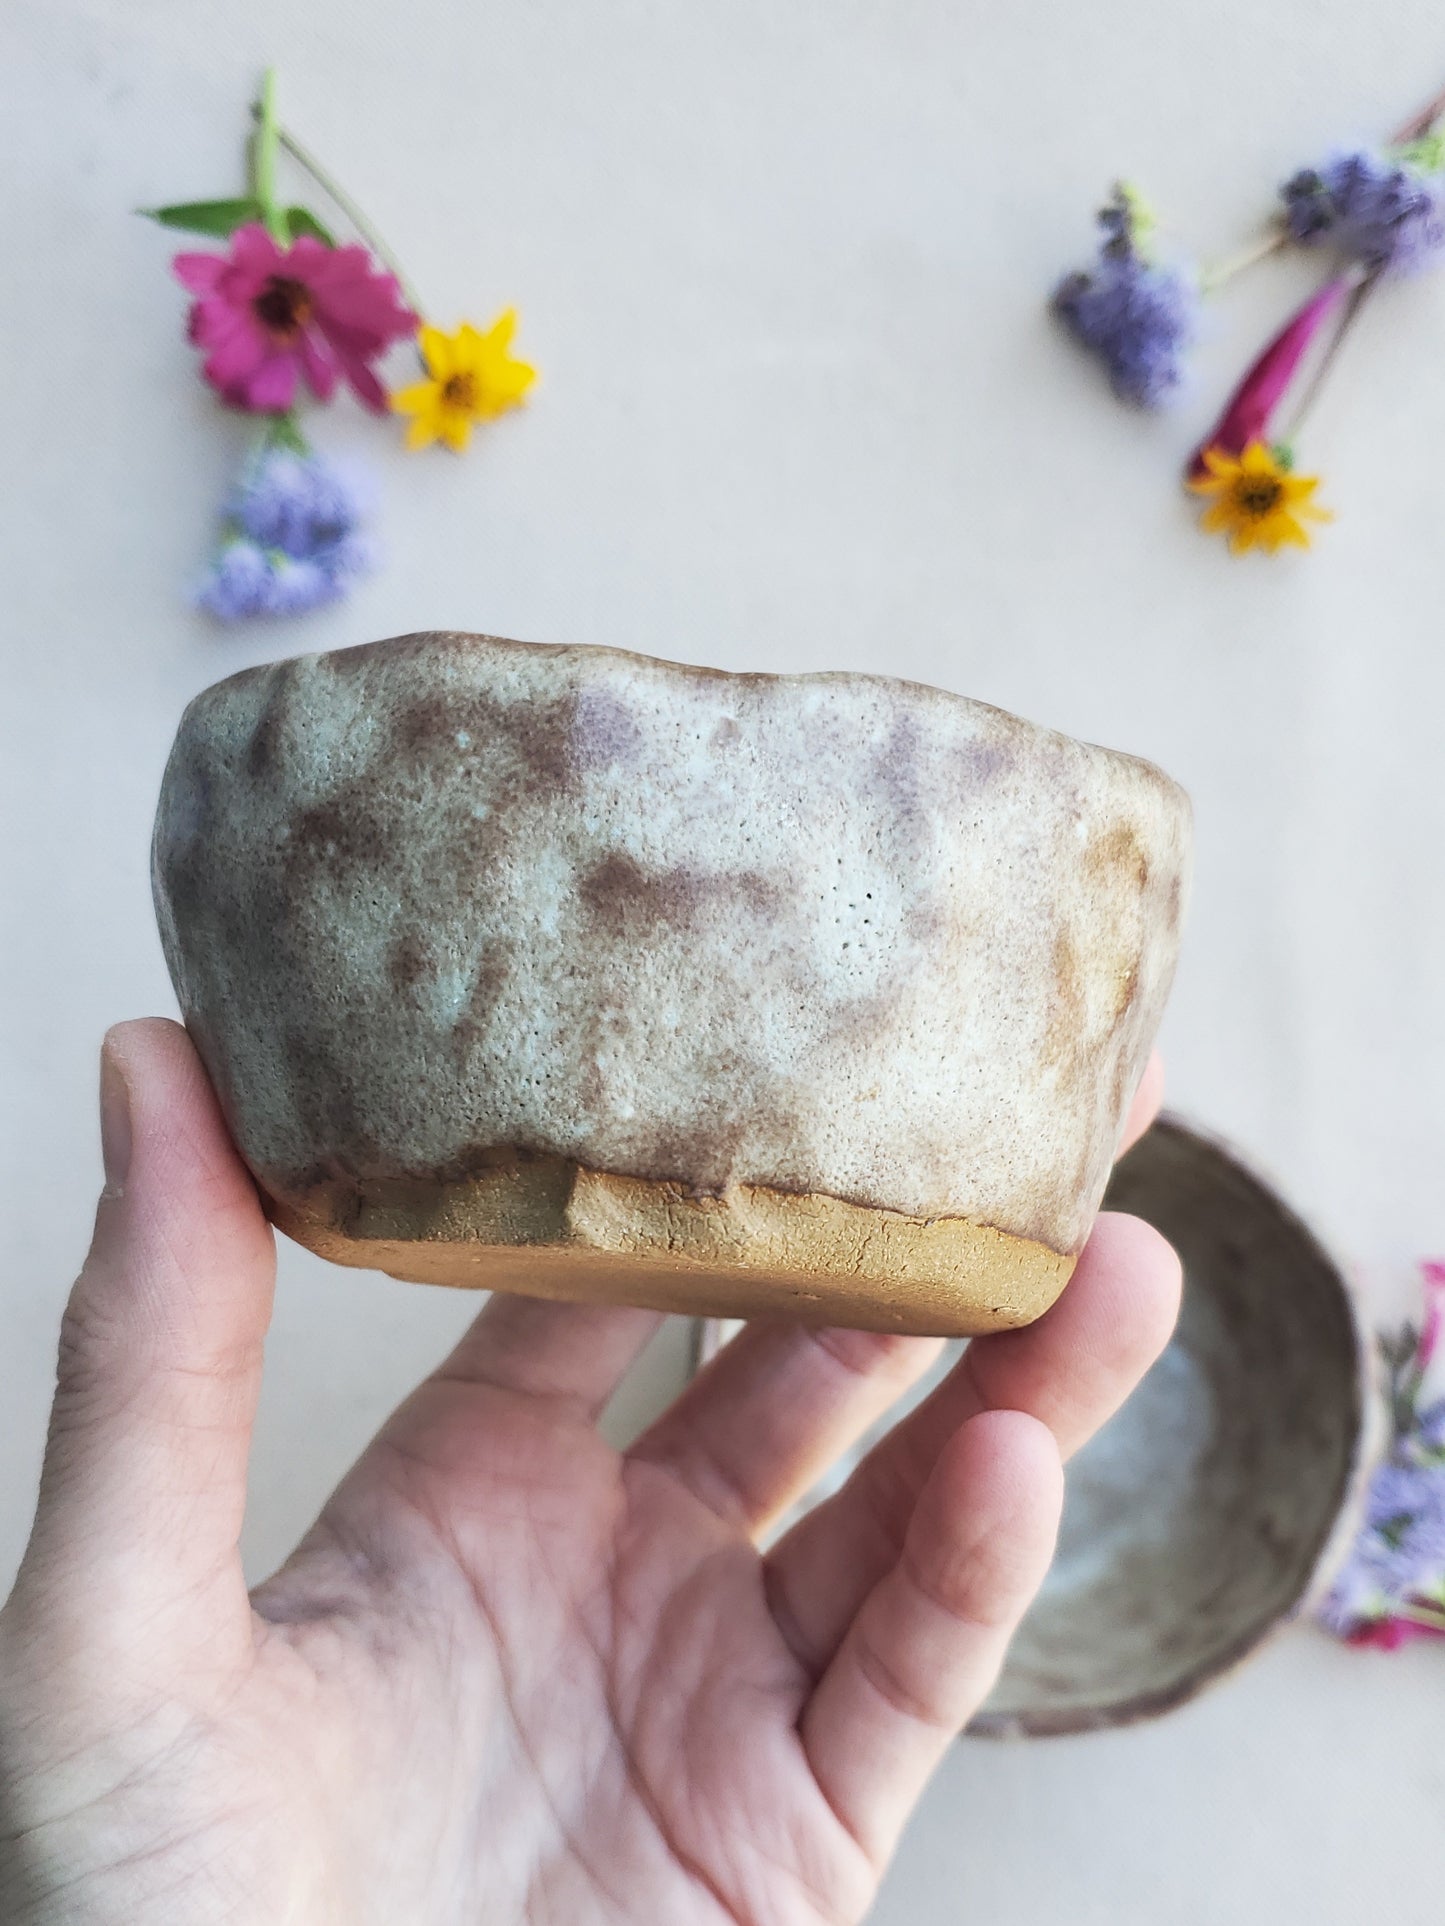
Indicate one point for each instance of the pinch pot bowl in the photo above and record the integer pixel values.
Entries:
(570, 972)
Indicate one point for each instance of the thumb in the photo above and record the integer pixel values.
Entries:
(144, 1482)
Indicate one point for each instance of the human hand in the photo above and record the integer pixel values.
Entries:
(511, 1673)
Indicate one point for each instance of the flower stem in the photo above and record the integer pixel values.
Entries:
(1419, 1613)
(263, 159)
(1420, 123)
(1307, 400)
(283, 431)
(333, 189)
(1215, 277)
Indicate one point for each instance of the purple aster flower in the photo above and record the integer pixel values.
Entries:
(1392, 1587)
(1380, 212)
(292, 542)
(1400, 1553)
(301, 585)
(1407, 1508)
(1431, 1433)
(297, 503)
(1355, 1598)
(1138, 318)
(240, 583)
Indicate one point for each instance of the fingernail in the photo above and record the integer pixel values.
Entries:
(114, 1123)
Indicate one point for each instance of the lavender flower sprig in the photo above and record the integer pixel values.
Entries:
(1385, 211)
(292, 538)
(1136, 316)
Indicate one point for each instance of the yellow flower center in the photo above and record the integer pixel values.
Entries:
(460, 391)
(283, 307)
(1257, 496)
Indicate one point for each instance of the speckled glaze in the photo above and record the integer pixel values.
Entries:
(446, 901)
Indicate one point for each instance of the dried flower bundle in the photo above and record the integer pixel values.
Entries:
(1378, 213)
(283, 311)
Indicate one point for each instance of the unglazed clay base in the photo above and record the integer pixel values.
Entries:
(546, 1227)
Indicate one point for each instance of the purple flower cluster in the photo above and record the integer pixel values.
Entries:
(1376, 210)
(1138, 318)
(293, 540)
(1399, 1555)
(1392, 1587)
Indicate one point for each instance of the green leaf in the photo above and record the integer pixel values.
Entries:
(284, 431)
(216, 218)
(300, 220)
(1426, 155)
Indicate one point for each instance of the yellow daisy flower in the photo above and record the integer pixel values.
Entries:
(472, 377)
(1258, 502)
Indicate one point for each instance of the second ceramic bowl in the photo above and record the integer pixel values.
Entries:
(1213, 1505)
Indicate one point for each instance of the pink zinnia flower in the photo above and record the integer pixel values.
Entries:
(266, 315)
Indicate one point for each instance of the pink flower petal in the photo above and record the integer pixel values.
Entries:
(254, 252)
(234, 360)
(1431, 1325)
(368, 389)
(199, 272)
(308, 258)
(1247, 416)
(272, 387)
(213, 322)
(318, 367)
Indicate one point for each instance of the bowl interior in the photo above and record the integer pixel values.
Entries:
(1196, 1520)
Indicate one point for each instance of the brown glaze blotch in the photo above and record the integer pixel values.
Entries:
(623, 896)
(407, 962)
(1067, 1020)
(340, 834)
(1118, 853)
(535, 739)
(604, 731)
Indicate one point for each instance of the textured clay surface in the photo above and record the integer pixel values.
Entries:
(447, 904)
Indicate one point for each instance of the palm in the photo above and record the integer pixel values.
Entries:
(511, 1673)
(589, 1652)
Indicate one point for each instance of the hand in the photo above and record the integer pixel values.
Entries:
(511, 1674)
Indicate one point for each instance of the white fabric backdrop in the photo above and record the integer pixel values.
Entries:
(782, 264)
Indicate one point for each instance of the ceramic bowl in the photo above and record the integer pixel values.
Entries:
(565, 971)
(1219, 1498)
